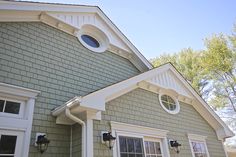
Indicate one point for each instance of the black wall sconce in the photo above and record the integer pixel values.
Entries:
(108, 139)
(175, 145)
(41, 142)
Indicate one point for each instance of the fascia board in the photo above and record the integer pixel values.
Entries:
(29, 6)
(228, 132)
(107, 93)
(34, 6)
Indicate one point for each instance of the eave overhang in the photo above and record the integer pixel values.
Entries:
(52, 14)
(96, 101)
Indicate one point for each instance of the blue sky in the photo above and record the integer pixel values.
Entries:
(156, 27)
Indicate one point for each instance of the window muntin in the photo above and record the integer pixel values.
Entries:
(131, 147)
(7, 145)
(139, 147)
(8, 106)
(199, 149)
(153, 149)
(168, 102)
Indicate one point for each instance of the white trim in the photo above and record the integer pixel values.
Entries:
(177, 109)
(198, 139)
(123, 129)
(136, 129)
(97, 34)
(89, 134)
(19, 141)
(18, 91)
(32, 8)
(226, 154)
(98, 99)
(24, 121)
(21, 110)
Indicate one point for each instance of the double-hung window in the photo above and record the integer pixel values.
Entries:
(131, 147)
(139, 141)
(198, 145)
(153, 148)
(139, 147)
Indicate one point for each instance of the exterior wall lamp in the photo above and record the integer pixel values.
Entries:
(41, 142)
(175, 145)
(108, 139)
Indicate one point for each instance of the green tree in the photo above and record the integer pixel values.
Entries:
(211, 72)
(218, 62)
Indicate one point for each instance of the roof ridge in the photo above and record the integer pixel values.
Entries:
(37, 2)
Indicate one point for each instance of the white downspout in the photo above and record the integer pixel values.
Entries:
(82, 123)
(71, 138)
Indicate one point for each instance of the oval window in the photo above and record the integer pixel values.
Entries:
(169, 104)
(91, 41)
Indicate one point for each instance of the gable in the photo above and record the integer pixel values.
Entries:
(168, 80)
(96, 101)
(72, 19)
(59, 64)
(79, 19)
(142, 108)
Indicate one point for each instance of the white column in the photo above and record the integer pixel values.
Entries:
(29, 117)
(166, 151)
(89, 125)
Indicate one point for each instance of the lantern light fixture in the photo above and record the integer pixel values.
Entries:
(41, 142)
(108, 139)
(175, 145)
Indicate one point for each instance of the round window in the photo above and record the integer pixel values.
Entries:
(169, 104)
(93, 38)
(91, 41)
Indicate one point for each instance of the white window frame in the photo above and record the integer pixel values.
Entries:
(19, 141)
(177, 109)
(198, 139)
(97, 34)
(13, 99)
(146, 133)
(151, 139)
(21, 123)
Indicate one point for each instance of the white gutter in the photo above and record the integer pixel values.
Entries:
(82, 123)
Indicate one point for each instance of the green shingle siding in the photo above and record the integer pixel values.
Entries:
(37, 56)
(141, 107)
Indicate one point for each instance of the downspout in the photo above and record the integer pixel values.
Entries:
(71, 143)
(82, 123)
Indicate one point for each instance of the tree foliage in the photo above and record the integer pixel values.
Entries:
(212, 72)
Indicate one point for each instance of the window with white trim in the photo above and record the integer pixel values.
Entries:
(199, 149)
(169, 103)
(11, 107)
(139, 141)
(16, 116)
(134, 147)
(153, 149)
(10, 142)
(93, 38)
(131, 147)
(198, 145)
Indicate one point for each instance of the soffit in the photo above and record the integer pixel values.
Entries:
(164, 79)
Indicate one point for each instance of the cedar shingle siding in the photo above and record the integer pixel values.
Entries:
(40, 57)
(141, 107)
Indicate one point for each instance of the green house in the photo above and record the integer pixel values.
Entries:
(73, 85)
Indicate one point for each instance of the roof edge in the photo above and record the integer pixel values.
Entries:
(222, 132)
(59, 7)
